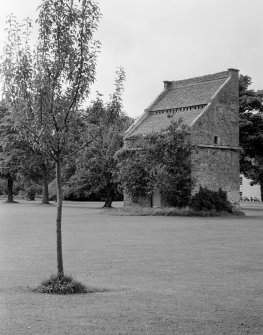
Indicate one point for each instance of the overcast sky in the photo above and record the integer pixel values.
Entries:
(156, 40)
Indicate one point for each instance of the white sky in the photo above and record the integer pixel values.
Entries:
(156, 40)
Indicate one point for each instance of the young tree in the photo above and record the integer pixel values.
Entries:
(46, 86)
(251, 131)
(96, 167)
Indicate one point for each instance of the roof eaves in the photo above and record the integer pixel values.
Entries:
(157, 99)
(129, 131)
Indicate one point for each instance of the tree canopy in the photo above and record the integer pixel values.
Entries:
(251, 131)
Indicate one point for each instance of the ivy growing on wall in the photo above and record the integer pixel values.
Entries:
(162, 164)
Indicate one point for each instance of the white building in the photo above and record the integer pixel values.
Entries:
(247, 191)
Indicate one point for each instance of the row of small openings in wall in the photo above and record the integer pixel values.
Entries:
(181, 109)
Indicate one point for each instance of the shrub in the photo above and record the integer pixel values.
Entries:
(207, 200)
(61, 285)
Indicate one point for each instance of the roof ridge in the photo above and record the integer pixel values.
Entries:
(199, 82)
(195, 80)
(194, 83)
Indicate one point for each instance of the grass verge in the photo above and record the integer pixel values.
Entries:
(170, 211)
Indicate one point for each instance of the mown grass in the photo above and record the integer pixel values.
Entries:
(164, 275)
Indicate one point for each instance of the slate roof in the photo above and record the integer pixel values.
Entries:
(185, 99)
(156, 122)
(188, 95)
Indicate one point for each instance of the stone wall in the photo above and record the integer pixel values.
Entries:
(215, 161)
(216, 168)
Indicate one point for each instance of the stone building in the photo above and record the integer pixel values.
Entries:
(209, 106)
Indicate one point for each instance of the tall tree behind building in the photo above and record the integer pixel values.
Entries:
(96, 167)
(251, 131)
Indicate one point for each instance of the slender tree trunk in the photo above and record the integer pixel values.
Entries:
(45, 197)
(109, 198)
(10, 193)
(59, 219)
(261, 190)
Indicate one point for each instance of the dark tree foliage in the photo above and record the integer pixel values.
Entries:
(135, 175)
(35, 175)
(19, 162)
(11, 152)
(251, 131)
(162, 163)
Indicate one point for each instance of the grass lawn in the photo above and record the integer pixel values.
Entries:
(157, 275)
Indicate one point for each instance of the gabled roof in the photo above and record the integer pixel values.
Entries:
(157, 121)
(186, 99)
(188, 94)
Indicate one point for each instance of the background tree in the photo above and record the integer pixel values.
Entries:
(19, 161)
(251, 131)
(46, 87)
(36, 172)
(96, 166)
(11, 152)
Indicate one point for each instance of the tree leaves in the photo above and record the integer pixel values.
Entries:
(161, 163)
(46, 85)
(96, 168)
(251, 131)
